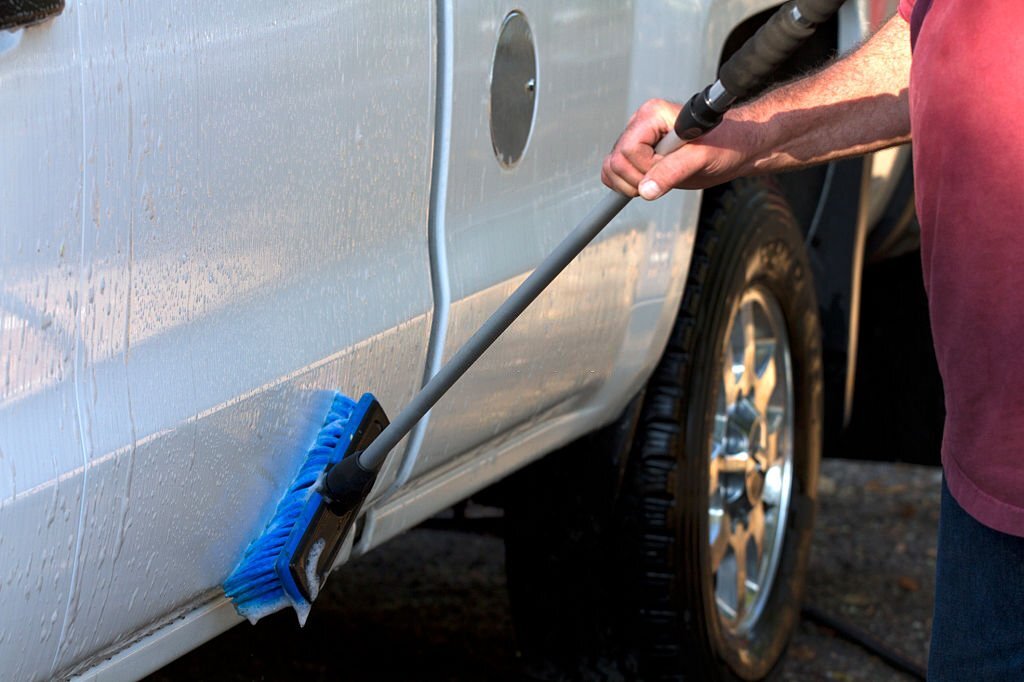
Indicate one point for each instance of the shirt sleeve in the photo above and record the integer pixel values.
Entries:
(906, 7)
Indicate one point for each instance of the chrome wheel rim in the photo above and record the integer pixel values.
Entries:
(751, 459)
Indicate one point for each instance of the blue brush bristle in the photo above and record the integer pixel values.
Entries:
(254, 585)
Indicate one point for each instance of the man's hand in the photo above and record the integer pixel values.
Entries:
(634, 168)
(858, 104)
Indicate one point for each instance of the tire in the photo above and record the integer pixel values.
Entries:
(611, 571)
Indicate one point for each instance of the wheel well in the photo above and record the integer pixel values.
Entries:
(803, 189)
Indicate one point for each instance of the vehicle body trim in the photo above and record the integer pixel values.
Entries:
(472, 472)
(436, 233)
(166, 643)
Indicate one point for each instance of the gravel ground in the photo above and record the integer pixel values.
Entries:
(431, 604)
(873, 565)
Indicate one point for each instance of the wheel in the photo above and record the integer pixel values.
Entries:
(725, 464)
(679, 551)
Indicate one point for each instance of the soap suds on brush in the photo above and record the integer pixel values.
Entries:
(312, 579)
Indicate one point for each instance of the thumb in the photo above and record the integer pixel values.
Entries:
(671, 171)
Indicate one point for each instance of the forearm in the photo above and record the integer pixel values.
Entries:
(856, 105)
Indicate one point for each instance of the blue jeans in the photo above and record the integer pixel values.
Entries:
(978, 628)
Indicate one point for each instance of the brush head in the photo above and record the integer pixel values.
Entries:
(287, 563)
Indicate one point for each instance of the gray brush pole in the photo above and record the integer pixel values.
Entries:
(498, 322)
(739, 77)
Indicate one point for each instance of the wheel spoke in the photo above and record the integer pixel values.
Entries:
(749, 348)
(730, 382)
(766, 345)
(713, 466)
(720, 541)
(755, 522)
(739, 548)
(764, 386)
(771, 449)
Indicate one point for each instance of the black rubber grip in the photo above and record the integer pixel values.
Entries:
(347, 484)
(773, 44)
(696, 118)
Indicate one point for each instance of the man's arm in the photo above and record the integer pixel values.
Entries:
(858, 104)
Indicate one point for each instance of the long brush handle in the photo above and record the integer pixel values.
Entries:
(776, 41)
(507, 312)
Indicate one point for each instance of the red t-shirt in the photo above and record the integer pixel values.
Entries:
(966, 101)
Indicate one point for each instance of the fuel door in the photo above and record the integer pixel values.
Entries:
(513, 90)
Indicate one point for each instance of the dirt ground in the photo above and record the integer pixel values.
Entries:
(431, 604)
